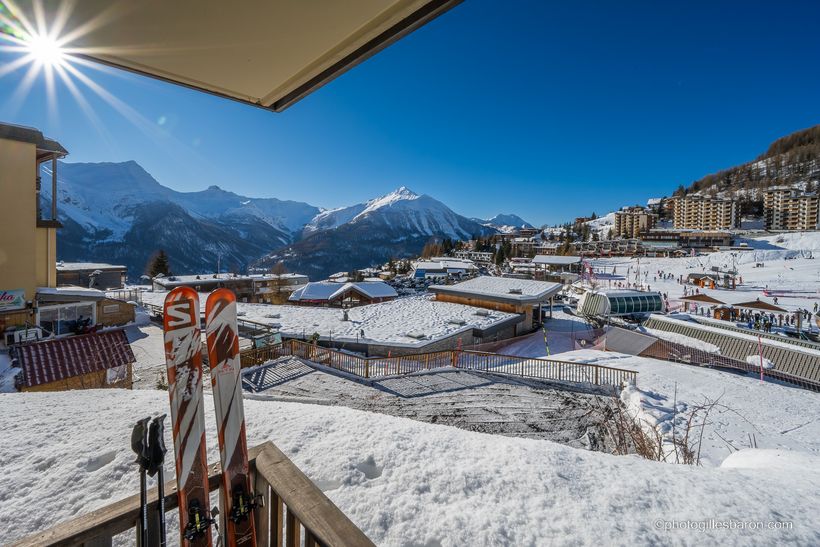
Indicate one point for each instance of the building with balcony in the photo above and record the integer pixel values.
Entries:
(786, 208)
(28, 240)
(93, 275)
(254, 288)
(697, 212)
(631, 222)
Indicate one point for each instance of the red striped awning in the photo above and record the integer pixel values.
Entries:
(54, 360)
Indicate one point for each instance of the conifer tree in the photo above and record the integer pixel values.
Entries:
(158, 264)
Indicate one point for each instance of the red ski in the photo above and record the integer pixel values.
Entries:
(223, 358)
(183, 346)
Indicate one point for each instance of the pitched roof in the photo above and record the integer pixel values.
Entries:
(328, 290)
(704, 298)
(54, 360)
(759, 305)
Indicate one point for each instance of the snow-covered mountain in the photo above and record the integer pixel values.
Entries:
(396, 225)
(402, 208)
(505, 222)
(117, 212)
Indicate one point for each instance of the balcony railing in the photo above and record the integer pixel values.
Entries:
(374, 367)
(292, 511)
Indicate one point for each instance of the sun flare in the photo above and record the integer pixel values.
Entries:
(45, 50)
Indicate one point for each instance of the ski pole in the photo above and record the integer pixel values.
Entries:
(139, 444)
(156, 439)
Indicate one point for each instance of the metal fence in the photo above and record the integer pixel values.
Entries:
(375, 367)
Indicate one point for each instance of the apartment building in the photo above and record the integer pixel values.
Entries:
(697, 212)
(785, 208)
(631, 222)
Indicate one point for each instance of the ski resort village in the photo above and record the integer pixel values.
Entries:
(197, 367)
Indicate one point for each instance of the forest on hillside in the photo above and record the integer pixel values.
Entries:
(793, 160)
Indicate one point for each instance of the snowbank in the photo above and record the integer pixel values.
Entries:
(404, 482)
(681, 339)
(755, 360)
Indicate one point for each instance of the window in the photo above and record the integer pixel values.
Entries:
(116, 374)
(67, 318)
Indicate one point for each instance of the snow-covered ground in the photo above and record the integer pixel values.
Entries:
(748, 411)
(791, 271)
(387, 322)
(409, 483)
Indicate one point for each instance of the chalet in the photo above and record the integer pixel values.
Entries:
(711, 280)
(88, 361)
(93, 275)
(342, 295)
(255, 288)
(522, 296)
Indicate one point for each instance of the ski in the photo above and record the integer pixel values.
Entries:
(183, 345)
(223, 359)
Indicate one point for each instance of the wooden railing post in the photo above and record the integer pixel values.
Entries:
(260, 515)
(277, 520)
(293, 531)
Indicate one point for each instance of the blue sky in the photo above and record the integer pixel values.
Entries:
(546, 109)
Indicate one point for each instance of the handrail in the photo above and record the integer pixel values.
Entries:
(312, 508)
(282, 486)
(374, 367)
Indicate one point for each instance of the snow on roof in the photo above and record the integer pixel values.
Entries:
(445, 263)
(556, 260)
(175, 280)
(385, 322)
(80, 266)
(329, 290)
(70, 291)
(505, 288)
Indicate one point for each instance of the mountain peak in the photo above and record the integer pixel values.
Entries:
(214, 188)
(403, 192)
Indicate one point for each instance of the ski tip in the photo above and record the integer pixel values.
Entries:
(181, 293)
(181, 308)
(222, 294)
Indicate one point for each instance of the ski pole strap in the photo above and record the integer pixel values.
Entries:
(139, 442)
(156, 445)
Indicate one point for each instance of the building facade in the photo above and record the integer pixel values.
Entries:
(254, 288)
(91, 275)
(634, 221)
(28, 240)
(696, 212)
(788, 209)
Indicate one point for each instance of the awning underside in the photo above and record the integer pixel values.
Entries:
(269, 53)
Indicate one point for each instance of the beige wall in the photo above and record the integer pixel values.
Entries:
(27, 254)
(17, 216)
